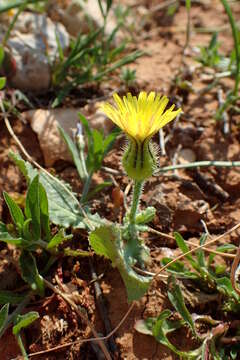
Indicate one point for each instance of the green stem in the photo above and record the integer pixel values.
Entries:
(86, 187)
(200, 164)
(20, 343)
(135, 201)
(235, 38)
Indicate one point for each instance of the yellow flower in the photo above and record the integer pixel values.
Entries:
(140, 118)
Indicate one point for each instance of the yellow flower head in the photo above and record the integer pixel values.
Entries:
(140, 117)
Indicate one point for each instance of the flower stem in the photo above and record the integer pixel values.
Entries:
(135, 201)
(20, 343)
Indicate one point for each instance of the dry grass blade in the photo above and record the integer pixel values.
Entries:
(198, 247)
(82, 316)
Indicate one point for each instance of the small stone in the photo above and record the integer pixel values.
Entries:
(186, 156)
(33, 37)
(45, 124)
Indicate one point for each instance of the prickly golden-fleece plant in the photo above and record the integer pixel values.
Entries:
(140, 118)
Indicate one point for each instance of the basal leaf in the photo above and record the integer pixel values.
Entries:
(7, 238)
(44, 214)
(58, 239)
(106, 241)
(64, 208)
(32, 209)
(30, 272)
(177, 300)
(15, 210)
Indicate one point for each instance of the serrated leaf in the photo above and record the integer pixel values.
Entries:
(3, 316)
(25, 320)
(146, 215)
(32, 208)
(10, 297)
(58, 239)
(29, 272)
(106, 241)
(15, 210)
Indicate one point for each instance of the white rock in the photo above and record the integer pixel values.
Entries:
(32, 45)
(45, 124)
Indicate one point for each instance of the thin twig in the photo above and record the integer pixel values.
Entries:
(231, 256)
(83, 316)
(30, 159)
(197, 248)
(102, 307)
(87, 340)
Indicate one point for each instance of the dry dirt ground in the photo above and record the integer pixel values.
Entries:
(182, 200)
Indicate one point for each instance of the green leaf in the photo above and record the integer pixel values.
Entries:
(200, 253)
(7, 238)
(178, 268)
(2, 82)
(73, 151)
(32, 209)
(58, 239)
(1, 54)
(15, 210)
(64, 208)
(160, 331)
(3, 316)
(106, 241)
(23, 321)
(146, 215)
(177, 300)
(145, 326)
(44, 214)
(98, 188)
(24, 166)
(30, 272)
(224, 285)
(10, 297)
(183, 246)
